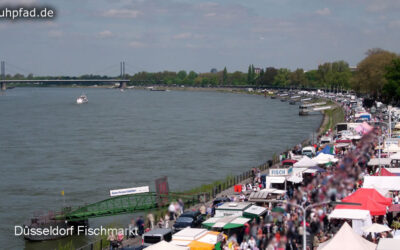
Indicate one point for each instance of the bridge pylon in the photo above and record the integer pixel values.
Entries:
(3, 76)
(122, 84)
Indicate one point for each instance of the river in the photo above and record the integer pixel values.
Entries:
(48, 143)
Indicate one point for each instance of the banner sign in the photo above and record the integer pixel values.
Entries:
(125, 191)
(280, 171)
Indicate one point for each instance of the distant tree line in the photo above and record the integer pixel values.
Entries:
(377, 76)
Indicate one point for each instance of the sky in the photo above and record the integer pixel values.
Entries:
(94, 36)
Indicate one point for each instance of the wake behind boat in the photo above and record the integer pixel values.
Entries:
(82, 99)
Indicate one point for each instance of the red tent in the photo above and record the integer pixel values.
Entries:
(384, 172)
(370, 199)
(288, 162)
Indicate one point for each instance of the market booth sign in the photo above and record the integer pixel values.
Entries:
(280, 171)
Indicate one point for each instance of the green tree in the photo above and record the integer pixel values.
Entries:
(182, 74)
(238, 78)
(282, 78)
(312, 78)
(391, 90)
(269, 76)
(297, 78)
(225, 76)
(249, 77)
(370, 75)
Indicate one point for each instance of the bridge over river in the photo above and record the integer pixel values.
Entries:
(125, 204)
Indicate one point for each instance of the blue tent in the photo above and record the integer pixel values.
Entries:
(326, 150)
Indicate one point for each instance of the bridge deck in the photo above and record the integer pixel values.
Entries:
(124, 204)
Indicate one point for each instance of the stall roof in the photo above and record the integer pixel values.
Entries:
(189, 233)
(352, 214)
(382, 161)
(262, 195)
(295, 179)
(255, 210)
(369, 198)
(347, 239)
(382, 182)
(305, 162)
(388, 244)
(234, 206)
(393, 170)
(227, 222)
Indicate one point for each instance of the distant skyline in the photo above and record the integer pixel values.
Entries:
(93, 36)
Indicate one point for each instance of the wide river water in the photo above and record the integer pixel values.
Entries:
(48, 143)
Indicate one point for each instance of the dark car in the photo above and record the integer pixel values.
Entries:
(220, 200)
(188, 219)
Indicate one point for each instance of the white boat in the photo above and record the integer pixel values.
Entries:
(82, 99)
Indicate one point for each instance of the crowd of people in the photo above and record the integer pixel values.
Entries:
(284, 230)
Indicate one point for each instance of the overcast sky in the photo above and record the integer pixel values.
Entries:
(93, 36)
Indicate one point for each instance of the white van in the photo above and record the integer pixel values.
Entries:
(308, 151)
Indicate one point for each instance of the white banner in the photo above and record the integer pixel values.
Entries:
(125, 191)
(280, 171)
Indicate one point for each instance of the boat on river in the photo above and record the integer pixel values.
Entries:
(82, 99)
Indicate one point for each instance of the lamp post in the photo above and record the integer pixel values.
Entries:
(379, 154)
(304, 209)
(390, 120)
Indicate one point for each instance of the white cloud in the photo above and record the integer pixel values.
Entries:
(119, 13)
(185, 35)
(105, 34)
(55, 33)
(137, 44)
(210, 14)
(323, 12)
(394, 24)
(382, 5)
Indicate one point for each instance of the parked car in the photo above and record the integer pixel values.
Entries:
(156, 235)
(188, 219)
(220, 200)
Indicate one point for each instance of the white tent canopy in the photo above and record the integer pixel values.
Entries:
(393, 170)
(295, 179)
(324, 158)
(376, 228)
(377, 162)
(388, 244)
(382, 182)
(347, 239)
(305, 162)
(353, 214)
(395, 156)
(162, 245)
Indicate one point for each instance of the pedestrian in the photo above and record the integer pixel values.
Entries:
(171, 210)
(166, 221)
(150, 217)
